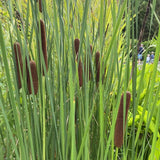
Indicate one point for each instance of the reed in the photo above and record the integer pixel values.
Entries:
(119, 128)
(71, 119)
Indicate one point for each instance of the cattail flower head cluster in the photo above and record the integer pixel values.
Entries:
(44, 44)
(19, 66)
(119, 134)
(80, 66)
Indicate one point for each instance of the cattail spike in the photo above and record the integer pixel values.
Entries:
(19, 63)
(34, 78)
(40, 6)
(97, 61)
(118, 134)
(80, 73)
(44, 44)
(76, 45)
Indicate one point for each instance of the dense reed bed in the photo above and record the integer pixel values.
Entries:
(66, 86)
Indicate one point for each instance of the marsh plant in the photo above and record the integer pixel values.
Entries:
(70, 86)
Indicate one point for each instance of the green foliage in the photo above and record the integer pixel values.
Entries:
(64, 120)
(157, 151)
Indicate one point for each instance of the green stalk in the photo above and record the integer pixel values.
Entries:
(72, 110)
(44, 119)
(155, 134)
(8, 125)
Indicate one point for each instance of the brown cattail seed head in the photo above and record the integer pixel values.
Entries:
(80, 73)
(34, 78)
(97, 61)
(19, 63)
(40, 6)
(44, 44)
(76, 45)
(118, 134)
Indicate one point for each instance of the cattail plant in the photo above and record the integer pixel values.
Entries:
(44, 44)
(34, 78)
(119, 128)
(97, 62)
(19, 63)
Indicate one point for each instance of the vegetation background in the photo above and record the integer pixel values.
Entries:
(65, 120)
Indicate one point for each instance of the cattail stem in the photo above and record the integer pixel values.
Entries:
(119, 128)
(19, 63)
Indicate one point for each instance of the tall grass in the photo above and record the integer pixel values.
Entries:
(73, 113)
